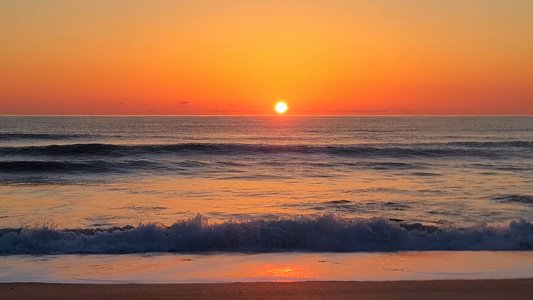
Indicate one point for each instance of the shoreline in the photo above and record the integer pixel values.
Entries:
(434, 289)
(269, 267)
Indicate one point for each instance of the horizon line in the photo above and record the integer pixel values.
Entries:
(271, 115)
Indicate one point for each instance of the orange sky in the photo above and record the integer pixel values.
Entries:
(239, 57)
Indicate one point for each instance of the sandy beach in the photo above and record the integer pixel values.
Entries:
(446, 289)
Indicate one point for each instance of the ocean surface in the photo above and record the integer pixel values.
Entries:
(109, 185)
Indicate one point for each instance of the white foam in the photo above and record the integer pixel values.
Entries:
(323, 234)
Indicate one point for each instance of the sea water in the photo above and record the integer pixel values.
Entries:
(114, 185)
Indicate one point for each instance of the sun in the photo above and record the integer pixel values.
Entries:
(281, 107)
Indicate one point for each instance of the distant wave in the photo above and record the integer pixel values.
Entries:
(520, 144)
(40, 136)
(143, 165)
(80, 167)
(485, 149)
(322, 234)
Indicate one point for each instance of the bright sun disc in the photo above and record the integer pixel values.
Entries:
(281, 107)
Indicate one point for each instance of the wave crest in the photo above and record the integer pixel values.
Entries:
(315, 234)
(485, 149)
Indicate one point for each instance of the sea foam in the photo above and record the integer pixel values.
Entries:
(305, 233)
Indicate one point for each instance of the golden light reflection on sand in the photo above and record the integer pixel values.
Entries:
(275, 267)
(286, 271)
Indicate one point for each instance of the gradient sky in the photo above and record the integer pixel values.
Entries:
(217, 57)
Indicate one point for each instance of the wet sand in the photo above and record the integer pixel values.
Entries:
(444, 289)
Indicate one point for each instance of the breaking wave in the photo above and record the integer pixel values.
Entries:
(314, 234)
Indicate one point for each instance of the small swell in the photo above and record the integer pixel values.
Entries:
(50, 167)
(40, 136)
(305, 233)
(362, 151)
(513, 198)
(425, 174)
(472, 144)
(385, 165)
(60, 167)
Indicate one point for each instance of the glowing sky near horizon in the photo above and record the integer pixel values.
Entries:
(239, 57)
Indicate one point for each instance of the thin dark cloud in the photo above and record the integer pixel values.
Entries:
(358, 111)
(342, 111)
(232, 111)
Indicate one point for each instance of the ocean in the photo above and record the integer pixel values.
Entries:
(238, 199)
(198, 185)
